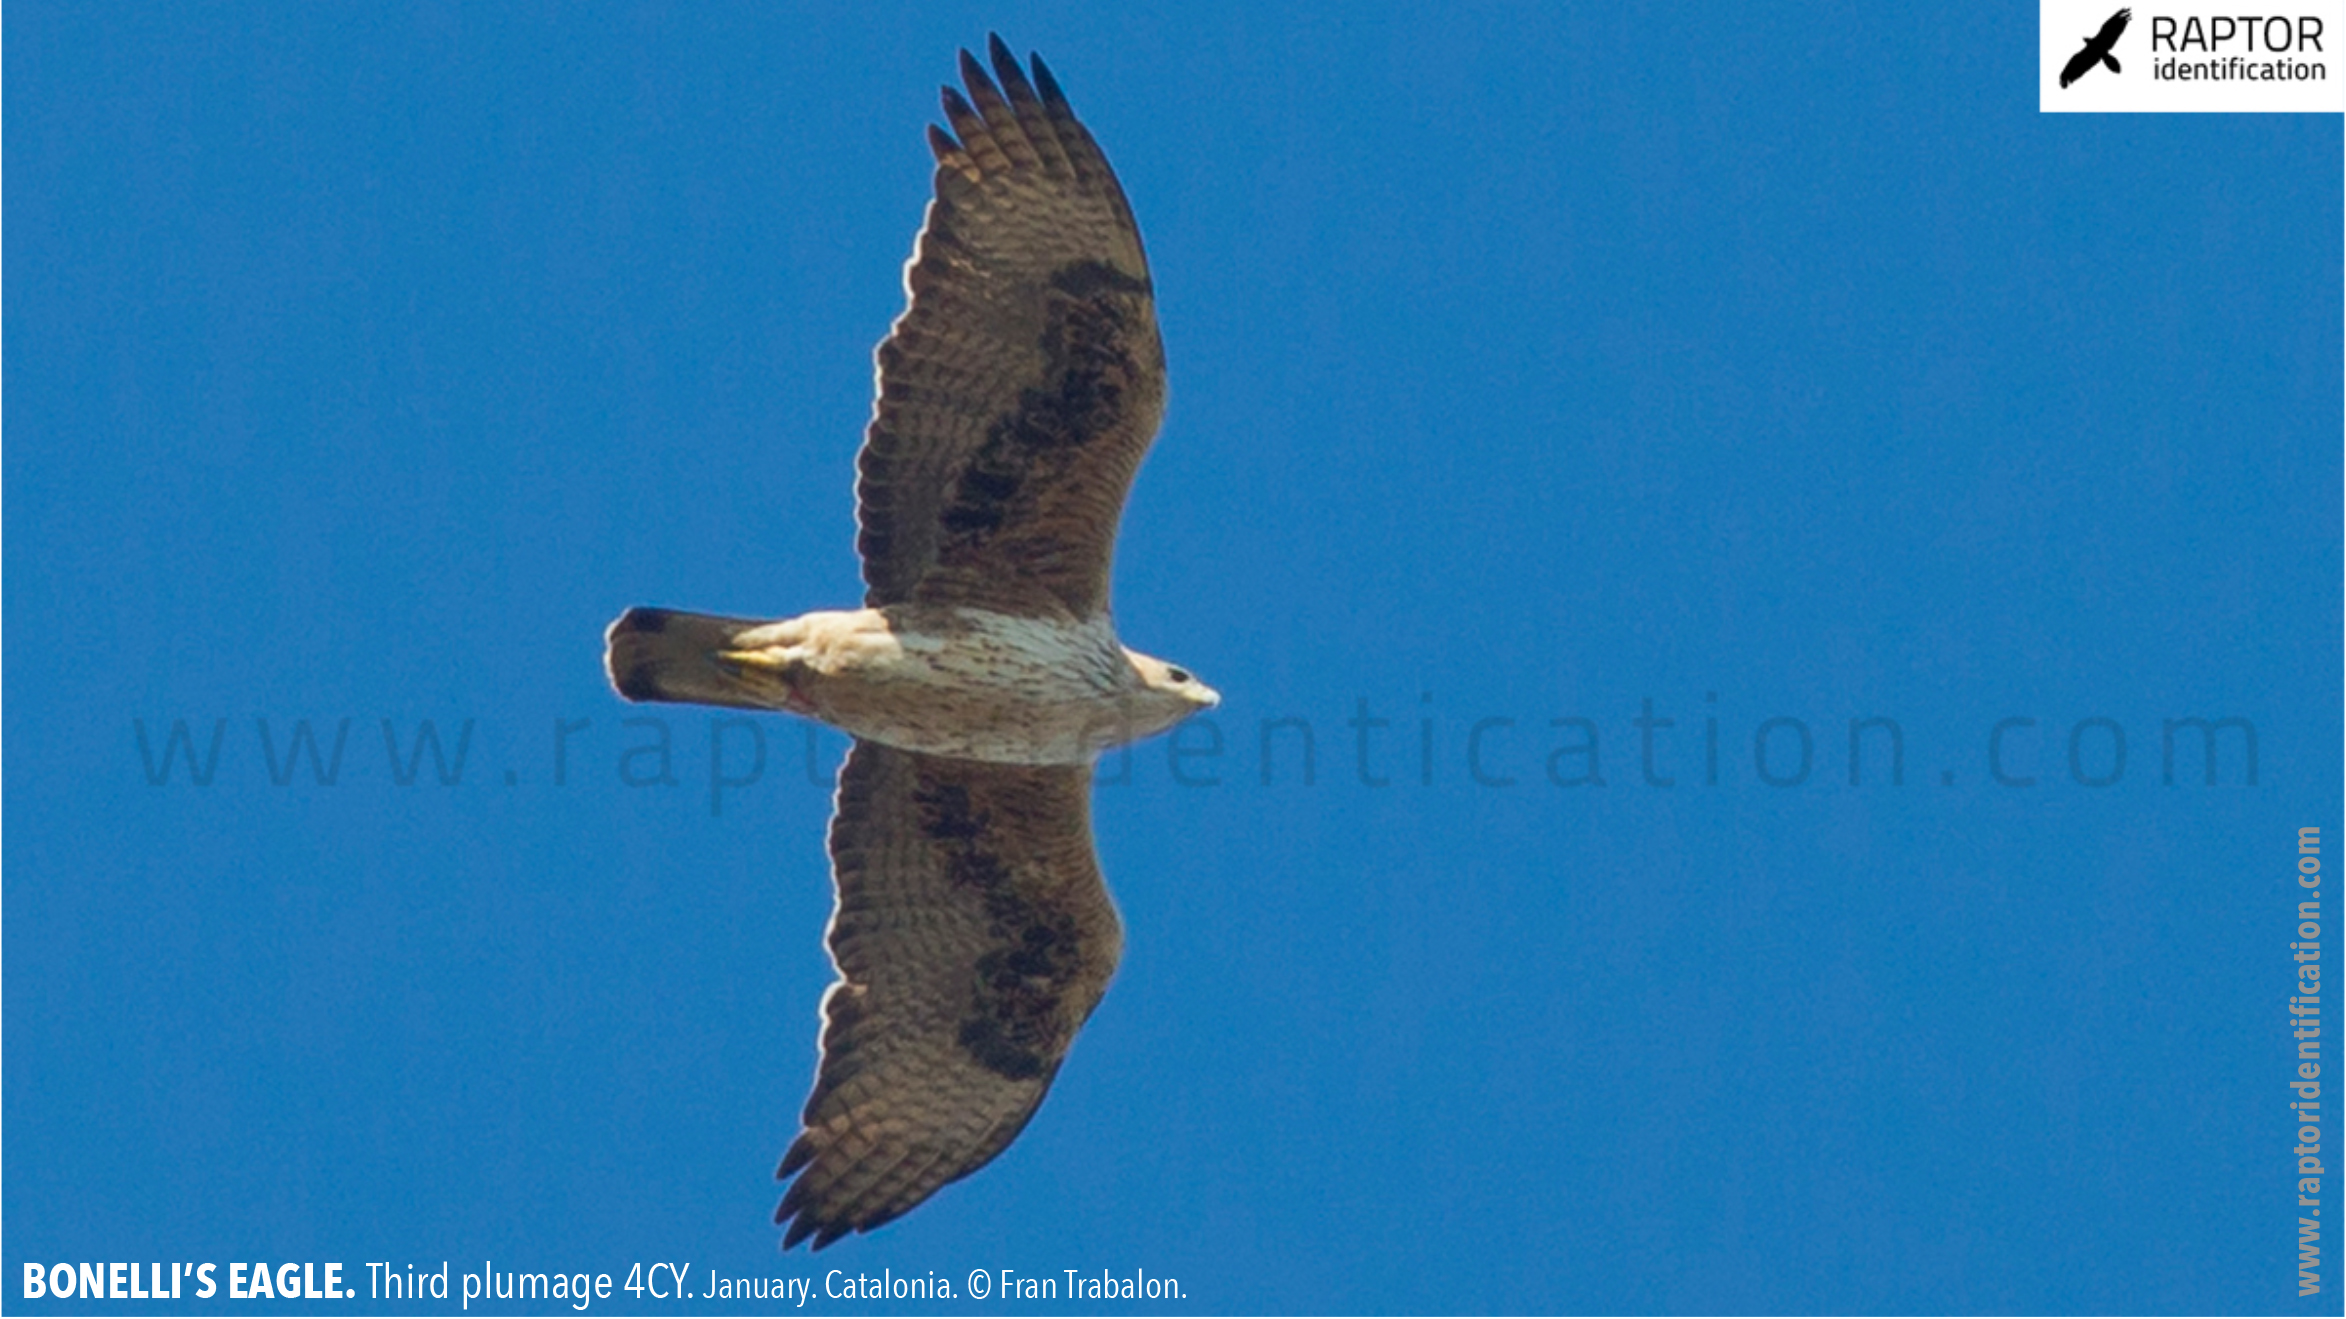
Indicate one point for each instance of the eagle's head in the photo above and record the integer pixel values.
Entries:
(1168, 693)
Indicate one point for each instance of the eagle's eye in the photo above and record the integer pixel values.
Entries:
(1176, 673)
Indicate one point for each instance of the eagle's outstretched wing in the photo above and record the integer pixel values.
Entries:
(973, 936)
(1023, 383)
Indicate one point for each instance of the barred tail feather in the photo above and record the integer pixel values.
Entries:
(670, 655)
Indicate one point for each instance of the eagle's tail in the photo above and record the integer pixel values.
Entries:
(2112, 61)
(669, 655)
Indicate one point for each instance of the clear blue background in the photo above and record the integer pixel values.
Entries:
(1529, 362)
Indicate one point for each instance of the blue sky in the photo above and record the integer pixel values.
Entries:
(1776, 367)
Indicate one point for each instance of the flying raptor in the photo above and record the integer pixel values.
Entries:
(973, 934)
(2097, 49)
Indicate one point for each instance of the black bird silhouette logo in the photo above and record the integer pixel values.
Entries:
(2097, 49)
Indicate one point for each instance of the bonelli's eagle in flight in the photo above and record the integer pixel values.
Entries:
(973, 933)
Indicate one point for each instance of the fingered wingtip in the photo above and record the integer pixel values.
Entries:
(798, 1226)
(974, 76)
(1046, 84)
(1007, 72)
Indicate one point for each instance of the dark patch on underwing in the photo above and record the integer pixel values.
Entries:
(945, 813)
(1013, 1029)
(995, 486)
(1088, 367)
(1084, 279)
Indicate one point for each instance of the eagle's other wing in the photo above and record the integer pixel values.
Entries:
(1023, 383)
(973, 936)
(2107, 38)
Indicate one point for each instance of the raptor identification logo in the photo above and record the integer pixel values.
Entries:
(2271, 56)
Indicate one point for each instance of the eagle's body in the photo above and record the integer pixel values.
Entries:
(938, 679)
(973, 933)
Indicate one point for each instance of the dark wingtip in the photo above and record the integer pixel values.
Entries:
(956, 105)
(800, 1154)
(1046, 84)
(801, 1224)
(973, 75)
(941, 143)
(1006, 70)
(792, 1213)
